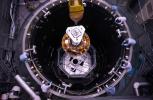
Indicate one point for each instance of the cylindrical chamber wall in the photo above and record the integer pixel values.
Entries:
(46, 34)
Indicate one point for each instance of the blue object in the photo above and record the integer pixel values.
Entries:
(114, 8)
(122, 84)
(110, 90)
(129, 69)
(24, 57)
(131, 72)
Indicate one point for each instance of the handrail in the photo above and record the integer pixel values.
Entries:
(27, 88)
(136, 86)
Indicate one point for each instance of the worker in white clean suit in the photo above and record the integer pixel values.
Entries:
(24, 56)
(4, 96)
(120, 20)
(127, 65)
(128, 42)
(45, 87)
(111, 90)
(15, 93)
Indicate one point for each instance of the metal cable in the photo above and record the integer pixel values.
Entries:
(12, 15)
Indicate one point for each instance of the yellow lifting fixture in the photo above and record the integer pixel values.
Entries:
(76, 10)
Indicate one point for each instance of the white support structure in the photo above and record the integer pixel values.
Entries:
(76, 34)
(120, 32)
(66, 86)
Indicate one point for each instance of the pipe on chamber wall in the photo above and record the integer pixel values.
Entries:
(27, 88)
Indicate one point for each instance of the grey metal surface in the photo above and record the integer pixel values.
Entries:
(5, 22)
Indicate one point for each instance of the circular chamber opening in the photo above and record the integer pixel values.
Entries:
(45, 33)
(75, 61)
